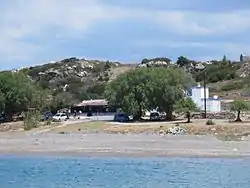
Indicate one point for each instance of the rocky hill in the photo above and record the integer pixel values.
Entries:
(85, 79)
(79, 78)
(87, 71)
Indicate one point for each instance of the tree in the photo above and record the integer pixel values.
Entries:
(2, 102)
(224, 59)
(239, 106)
(187, 106)
(144, 61)
(18, 93)
(183, 61)
(128, 91)
(165, 87)
(241, 57)
(146, 89)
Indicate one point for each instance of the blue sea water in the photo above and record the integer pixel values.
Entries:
(52, 172)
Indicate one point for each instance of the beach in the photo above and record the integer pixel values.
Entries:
(132, 139)
(141, 145)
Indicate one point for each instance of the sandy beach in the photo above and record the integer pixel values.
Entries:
(136, 139)
(141, 145)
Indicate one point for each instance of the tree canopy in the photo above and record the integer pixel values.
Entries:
(185, 105)
(239, 106)
(147, 89)
(17, 93)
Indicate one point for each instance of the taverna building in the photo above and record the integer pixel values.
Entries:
(198, 93)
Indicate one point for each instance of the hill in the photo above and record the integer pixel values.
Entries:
(80, 78)
(83, 79)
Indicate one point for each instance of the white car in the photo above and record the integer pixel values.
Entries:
(60, 117)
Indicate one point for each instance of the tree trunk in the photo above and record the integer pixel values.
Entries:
(238, 117)
(9, 113)
(138, 116)
(169, 115)
(188, 117)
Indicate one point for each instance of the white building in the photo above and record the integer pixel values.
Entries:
(197, 95)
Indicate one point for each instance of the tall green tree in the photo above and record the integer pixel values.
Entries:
(146, 89)
(224, 59)
(183, 61)
(239, 106)
(2, 102)
(186, 106)
(128, 91)
(18, 93)
(61, 100)
(165, 87)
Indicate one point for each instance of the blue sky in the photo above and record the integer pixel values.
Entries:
(41, 31)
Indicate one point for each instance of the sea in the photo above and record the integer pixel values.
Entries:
(77, 172)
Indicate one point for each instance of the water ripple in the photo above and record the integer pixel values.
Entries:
(123, 173)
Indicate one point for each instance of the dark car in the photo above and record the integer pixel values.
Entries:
(4, 118)
(121, 117)
(155, 116)
(46, 116)
(89, 114)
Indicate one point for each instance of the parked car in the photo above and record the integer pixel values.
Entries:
(60, 117)
(154, 116)
(89, 114)
(46, 116)
(4, 118)
(121, 117)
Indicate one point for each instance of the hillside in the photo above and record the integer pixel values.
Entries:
(236, 88)
(80, 78)
(86, 79)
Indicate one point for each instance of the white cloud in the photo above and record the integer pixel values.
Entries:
(204, 23)
(74, 18)
(220, 48)
(35, 18)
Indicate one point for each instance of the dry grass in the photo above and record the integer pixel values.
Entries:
(118, 71)
(81, 127)
(18, 126)
(227, 128)
(137, 128)
(198, 127)
(11, 126)
(225, 131)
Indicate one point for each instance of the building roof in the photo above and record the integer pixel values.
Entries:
(97, 102)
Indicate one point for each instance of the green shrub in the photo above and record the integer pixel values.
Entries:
(218, 71)
(210, 122)
(31, 120)
(61, 132)
(232, 86)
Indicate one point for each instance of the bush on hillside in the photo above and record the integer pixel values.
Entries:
(233, 86)
(218, 71)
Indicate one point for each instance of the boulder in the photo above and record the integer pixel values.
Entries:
(176, 130)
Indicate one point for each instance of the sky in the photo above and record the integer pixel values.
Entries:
(40, 31)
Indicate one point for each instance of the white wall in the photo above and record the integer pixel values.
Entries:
(198, 97)
(198, 94)
(215, 106)
(212, 105)
(202, 93)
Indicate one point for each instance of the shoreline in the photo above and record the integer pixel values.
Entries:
(113, 155)
(121, 145)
